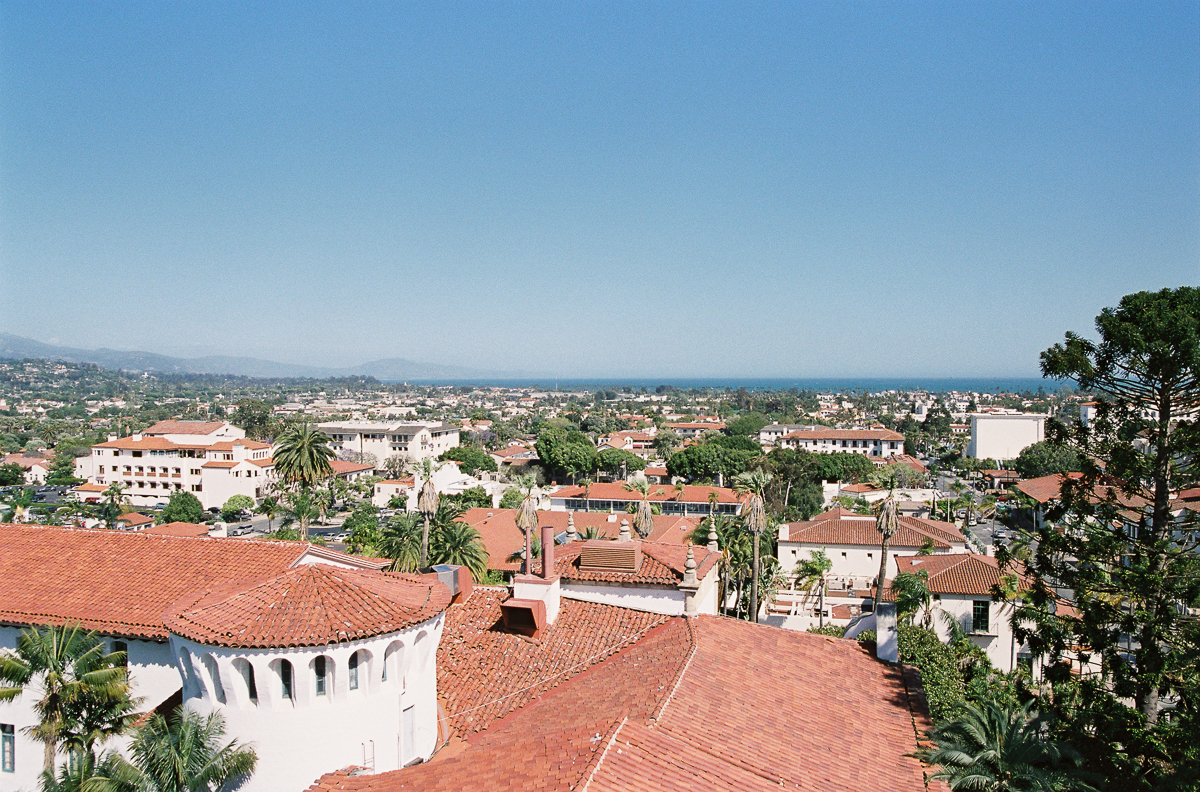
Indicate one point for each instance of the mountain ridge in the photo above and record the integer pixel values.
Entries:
(18, 347)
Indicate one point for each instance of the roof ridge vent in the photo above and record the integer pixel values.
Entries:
(602, 555)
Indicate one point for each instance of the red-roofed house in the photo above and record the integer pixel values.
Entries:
(35, 467)
(688, 499)
(852, 543)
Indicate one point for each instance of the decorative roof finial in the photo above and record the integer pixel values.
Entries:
(712, 537)
(689, 567)
(625, 536)
(572, 534)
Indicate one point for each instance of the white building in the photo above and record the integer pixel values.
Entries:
(447, 480)
(127, 585)
(383, 440)
(1003, 436)
(823, 440)
(211, 460)
(961, 585)
(852, 544)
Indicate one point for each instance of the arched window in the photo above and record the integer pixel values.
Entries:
(214, 676)
(285, 680)
(352, 668)
(246, 672)
(320, 674)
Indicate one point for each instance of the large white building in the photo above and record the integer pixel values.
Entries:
(1003, 436)
(823, 440)
(383, 440)
(212, 460)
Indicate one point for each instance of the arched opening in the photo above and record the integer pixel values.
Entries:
(214, 677)
(352, 671)
(393, 665)
(191, 685)
(286, 680)
(322, 673)
(245, 675)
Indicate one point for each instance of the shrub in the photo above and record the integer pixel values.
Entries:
(940, 674)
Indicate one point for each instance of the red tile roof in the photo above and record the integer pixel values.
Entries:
(184, 427)
(705, 703)
(484, 673)
(658, 493)
(120, 582)
(844, 434)
(178, 529)
(502, 537)
(1048, 488)
(341, 466)
(220, 463)
(309, 605)
(662, 564)
(957, 573)
(146, 443)
(860, 530)
(133, 519)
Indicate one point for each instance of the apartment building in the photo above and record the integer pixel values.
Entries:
(384, 439)
(213, 460)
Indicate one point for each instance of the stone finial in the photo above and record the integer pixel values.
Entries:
(712, 537)
(625, 536)
(572, 534)
(689, 567)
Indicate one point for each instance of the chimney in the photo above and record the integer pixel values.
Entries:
(547, 552)
(137, 436)
(886, 633)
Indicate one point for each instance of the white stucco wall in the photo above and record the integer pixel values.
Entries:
(298, 740)
(1003, 437)
(668, 601)
(849, 561)
(152, 672)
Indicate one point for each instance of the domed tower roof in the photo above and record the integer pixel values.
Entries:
(310, 605)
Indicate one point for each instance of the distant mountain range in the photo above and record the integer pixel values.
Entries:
(390, 369)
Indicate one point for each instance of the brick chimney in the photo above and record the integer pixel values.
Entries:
(543, 589)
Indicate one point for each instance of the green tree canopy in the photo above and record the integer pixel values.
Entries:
(236, 504)
(183, 506)
(470, 460)
(747, 425)
(611, 460)
(1046, 459)
(11, 474)
(566, 452)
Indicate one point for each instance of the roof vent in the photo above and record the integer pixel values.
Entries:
(448, 575)
(524, 616)
(600, 555)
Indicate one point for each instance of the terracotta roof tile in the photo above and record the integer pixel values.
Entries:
(502, 537)
(658, 493)
(662, 564)
(860, 530)
(121, 582)
(844, 434)
(184, 427)
(310, 605)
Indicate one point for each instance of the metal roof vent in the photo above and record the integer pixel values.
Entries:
(448, 574)
(600, 555)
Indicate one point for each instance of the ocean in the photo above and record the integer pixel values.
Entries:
(820, 384)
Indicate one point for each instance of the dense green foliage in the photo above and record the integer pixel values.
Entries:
(183, 506)
(940, 674)
(470, 460)
(748, 425)
(614, 460)
(11, 474)
(566, 452)
(1045, 459)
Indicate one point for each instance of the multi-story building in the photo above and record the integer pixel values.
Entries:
(383, 439)
(823, 440)
(213, 460)
(1003, 436)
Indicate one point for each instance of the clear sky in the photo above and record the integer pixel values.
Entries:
(596, 189)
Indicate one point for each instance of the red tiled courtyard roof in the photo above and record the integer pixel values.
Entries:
(310, 605)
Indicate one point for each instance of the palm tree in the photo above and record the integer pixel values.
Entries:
(643, 518)
(400, 541)
(887, 523)
(911, 591)
(183, 753)
(85, 694)
(301, 508)
(86, 773)
(21, 503)
(527, 519)
(754, 517)
(427, 503)
(995, 748)
(815, 573)
(269, 507)
(302, 456)
(459, 543)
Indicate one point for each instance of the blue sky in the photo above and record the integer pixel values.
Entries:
(633, 189)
